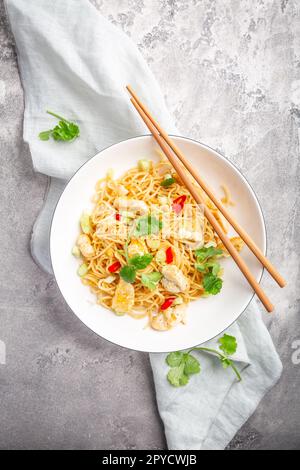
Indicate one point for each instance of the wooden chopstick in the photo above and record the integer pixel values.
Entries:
(237, 227)
(208, 214)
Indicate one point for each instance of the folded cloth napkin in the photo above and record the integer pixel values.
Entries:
(75, 62)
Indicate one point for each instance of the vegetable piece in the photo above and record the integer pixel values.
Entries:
(109, 279)
(169, 255)
(147, 225)
(82, 270)
(85, 223)
(128, 274)
(151, 280)
(144, 165)
(65, 130)
(178, 204)
(118, 216)
(153, 243)
(141, 262)
(160, 256)
(76, 251)
(212, 284)
(168, 181)
(114, 267)
(167, 303)
(183, 365)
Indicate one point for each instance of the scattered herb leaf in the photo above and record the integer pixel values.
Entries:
(228, 345)
(65, 130)
(184, 364)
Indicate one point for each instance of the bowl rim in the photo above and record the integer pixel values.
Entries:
(265, 236)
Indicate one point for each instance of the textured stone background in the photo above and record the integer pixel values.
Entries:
(230, 71)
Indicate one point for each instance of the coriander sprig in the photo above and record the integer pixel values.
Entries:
(184, 364)
(137, 262)
(206, 263)
(65, 130)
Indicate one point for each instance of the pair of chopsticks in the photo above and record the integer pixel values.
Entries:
(166, 144)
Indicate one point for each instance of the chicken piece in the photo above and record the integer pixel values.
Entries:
(176, 315)
(128, 204)
(159, 322)
(136, 247)
(124, 298)
(85, 246)
(171, 317)
(174, 281)
(193, 239)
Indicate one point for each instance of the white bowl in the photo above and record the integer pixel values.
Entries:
(206, 317)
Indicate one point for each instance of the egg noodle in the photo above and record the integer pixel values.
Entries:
(111, 240)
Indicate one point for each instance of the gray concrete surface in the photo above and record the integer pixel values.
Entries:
(230, 71)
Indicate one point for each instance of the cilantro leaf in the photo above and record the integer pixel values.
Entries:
(45, 135)
(168, 182)
(214, 267)
(174, 359)
(147, 225)
(182, 366)
(228, 345)
(128, 274)
(204, 253)
(192, 365)
(151, 280)
(212, 284)
(177, 377)
(65, 130)
(140, 261)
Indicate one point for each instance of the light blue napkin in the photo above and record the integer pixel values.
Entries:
(76, 63)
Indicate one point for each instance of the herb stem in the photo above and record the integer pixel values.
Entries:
(236, 371)
(58, 116)
(221, 356)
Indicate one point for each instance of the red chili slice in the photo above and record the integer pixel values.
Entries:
(167, 303)
(118, 217)
(178, 204)
(169, 255)
(114, 267)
